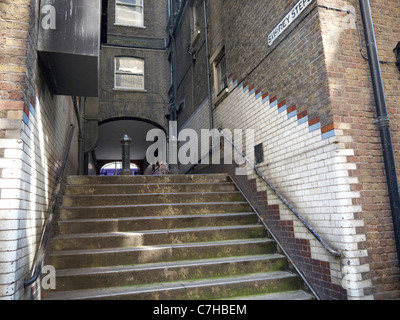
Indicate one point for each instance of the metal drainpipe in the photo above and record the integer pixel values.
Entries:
(210, 101)
(79, 113)
(383, 122)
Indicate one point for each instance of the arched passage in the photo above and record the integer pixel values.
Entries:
(114, 168)
(110, 132)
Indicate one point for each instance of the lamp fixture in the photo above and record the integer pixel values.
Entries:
(397, 52)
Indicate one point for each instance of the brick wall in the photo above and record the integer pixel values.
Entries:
(33, 136)
(150, 105)
(191, 74)
(310, 101)
(287, 72)
(155, 17)
(353, 107)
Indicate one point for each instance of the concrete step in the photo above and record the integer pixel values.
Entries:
(70, 259)
(76, 226)
(220, 288)
(280, 296)
(203, 178)
(125, 189)
(156, 237)
(92, 278)
(143, 210)
(165, 237)
(151, 198)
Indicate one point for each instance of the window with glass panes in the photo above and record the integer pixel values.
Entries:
(222, 80)
(129, 73)
(129, 13)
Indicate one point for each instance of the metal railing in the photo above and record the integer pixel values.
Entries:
(37, 266)
(332, 251)
(271, 234)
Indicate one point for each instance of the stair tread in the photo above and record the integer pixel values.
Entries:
(209, 215)
(82, 180)
(121, 291)
(287, 295)
(149, 232)
(150, 198)
(156, 176)
(159, 247)
(149, 188)
(162, 265)
(163, 184)
(188, 204)
(149, 194)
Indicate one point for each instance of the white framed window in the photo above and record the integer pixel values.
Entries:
(129, 73)
(221, 76)
(129, 13)
(195, 22)
(218, 62)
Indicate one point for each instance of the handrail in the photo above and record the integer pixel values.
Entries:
(272, 235)
(332, 251)
(37, 267)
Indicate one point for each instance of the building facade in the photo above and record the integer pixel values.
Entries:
(292, 71)
(292, 76)
(135, 77)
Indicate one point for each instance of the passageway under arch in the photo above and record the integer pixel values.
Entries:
(108, 148)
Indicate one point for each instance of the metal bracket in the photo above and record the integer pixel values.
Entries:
(382, 122)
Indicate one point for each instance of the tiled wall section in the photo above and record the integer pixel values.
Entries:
(308, 164)
(29, 166)
(198, 121)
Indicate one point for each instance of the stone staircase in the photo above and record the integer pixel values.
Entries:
(165, 237)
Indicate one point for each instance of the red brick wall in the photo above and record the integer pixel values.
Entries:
(14, 25)
(353, 109)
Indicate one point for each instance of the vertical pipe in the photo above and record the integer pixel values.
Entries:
(210, 101)
(82, 169)
(383, 122)
(79, 118)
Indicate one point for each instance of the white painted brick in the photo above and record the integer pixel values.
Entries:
(10, 164)
(312, 172)
(356, 285)
(10, 144)
(7, 291)
(347, 195)
(356, 254)
(13, 153)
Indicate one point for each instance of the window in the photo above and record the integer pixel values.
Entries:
(218, 62)
(129, 73)
(114, 169)
(220, 68)
(195, 23)
(259, 153)
(129, 13)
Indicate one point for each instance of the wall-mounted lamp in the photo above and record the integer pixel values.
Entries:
(192, 52)
(397, 52)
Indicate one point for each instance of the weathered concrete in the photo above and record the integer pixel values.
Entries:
(144, 244)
